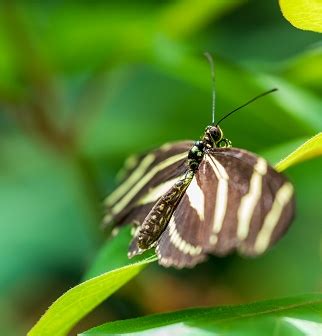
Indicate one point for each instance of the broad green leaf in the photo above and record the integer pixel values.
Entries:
(300, 315)
(310, 149)
(303, 14)
(64, 313)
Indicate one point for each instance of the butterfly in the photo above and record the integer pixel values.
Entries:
(191, 199)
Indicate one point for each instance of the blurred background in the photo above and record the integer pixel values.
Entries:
(83, 85)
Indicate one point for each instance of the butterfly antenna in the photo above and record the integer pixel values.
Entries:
(247, 103)
(212, 68)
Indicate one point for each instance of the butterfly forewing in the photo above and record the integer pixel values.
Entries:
(144, 181)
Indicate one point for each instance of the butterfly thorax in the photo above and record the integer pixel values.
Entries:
(196, 154)
(212, 138)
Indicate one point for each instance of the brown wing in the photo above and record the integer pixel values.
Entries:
(260, 203)
(181, 244)
(235, 201)
(144, 181)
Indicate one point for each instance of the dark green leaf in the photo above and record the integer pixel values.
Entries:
(293, 316)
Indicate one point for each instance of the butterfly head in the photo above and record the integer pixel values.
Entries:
(212, 136)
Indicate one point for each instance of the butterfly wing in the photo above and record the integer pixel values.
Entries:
(144, 180)
(182, 242)
(258, 204)
(235, 201)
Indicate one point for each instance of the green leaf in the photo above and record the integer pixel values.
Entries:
(300, 315)
(310, 149)
(76, 303)
(303, 14)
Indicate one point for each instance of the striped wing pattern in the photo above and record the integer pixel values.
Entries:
(235, 201)
(144, 181)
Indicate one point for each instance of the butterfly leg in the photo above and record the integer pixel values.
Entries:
(224, 143)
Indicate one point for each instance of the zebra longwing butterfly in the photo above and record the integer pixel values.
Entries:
(191, 199)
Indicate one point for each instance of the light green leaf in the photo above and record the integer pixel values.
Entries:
(303, 14)
(310, 149)
(300, 315)
(76, 303)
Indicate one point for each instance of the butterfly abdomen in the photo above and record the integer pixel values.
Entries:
(158, 218)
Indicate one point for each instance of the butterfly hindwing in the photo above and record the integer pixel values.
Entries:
(181, 244)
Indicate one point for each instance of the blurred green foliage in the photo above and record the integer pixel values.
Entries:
(83, 85)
